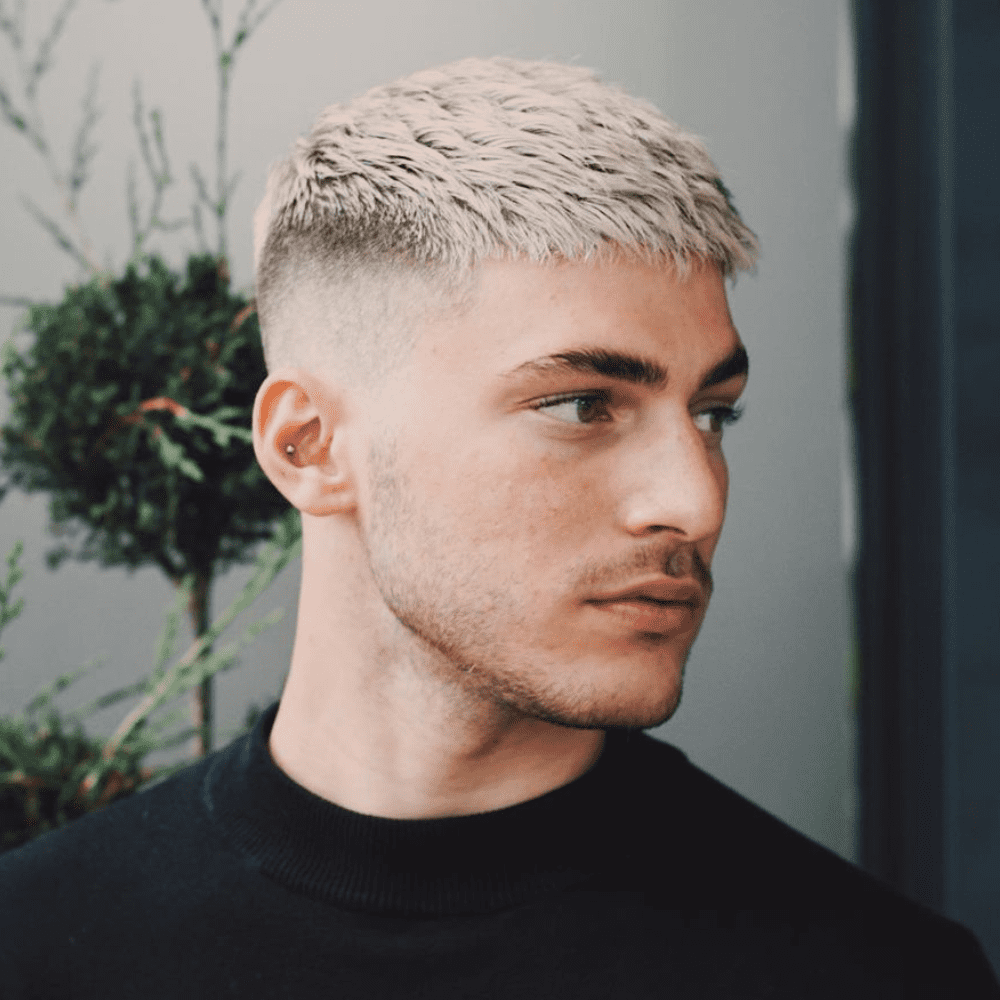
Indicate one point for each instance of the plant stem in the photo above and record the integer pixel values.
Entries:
(222, 182)
(202, 696)
(223, 61)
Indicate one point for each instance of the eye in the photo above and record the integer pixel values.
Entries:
(716, 418)
(581, 408)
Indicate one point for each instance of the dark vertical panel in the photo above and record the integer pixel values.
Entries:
(925, 346)
(975, 883)
(902, 357)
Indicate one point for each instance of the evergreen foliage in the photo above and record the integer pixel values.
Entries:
(131, 407)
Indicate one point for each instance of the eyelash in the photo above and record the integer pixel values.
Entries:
(725, 415)
(603, 398)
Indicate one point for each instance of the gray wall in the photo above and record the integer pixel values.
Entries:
(766, 706)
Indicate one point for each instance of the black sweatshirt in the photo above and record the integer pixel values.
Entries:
(645, 877)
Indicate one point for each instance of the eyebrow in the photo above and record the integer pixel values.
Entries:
(738, 363)
(627, 367)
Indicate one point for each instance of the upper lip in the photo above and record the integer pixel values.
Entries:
(663, 590)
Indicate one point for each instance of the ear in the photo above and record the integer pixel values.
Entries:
(298, 437)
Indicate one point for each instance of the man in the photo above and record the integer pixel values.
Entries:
(500, 365)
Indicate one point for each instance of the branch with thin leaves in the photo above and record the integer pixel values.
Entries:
(9, 609)
(62, 239)
(24, 115)
(84, 149)
(198, 663)
(52, 772)
(154, 157)
(11, 24)
(249, 19)
(43, 55)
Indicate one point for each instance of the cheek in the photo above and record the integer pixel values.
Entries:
(549, 507)
(509, 500)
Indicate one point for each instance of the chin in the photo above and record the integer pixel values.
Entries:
(617, 716)
(647, 702)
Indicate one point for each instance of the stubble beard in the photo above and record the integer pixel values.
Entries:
(460, 643)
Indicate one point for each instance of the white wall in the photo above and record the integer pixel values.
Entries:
(766, 700)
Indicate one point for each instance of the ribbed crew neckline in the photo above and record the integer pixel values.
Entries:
(426, 867)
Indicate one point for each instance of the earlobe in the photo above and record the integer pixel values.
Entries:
(296, 436)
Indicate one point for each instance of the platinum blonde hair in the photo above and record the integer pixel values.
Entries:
(414, 182)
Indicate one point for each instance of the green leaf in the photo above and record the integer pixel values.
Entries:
(14, 750)
(45, 696)
(9, 610)
(173, 457)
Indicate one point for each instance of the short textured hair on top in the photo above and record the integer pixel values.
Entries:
(478, 159)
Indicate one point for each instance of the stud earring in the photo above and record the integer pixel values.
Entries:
(289, 449)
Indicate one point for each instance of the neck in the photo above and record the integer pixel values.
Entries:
(377, 724)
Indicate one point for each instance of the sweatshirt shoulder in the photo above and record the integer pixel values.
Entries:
(722, 855)
(734, 846)
(717, 821)
(740, 845)
(108, 849)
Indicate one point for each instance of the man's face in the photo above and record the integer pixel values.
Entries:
(547, 486)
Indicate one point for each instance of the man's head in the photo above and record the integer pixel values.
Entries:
(501, 359)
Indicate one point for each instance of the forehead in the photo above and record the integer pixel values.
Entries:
(516, 311)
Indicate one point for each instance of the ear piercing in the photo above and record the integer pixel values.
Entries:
(289, 449)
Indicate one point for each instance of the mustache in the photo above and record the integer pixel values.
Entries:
(678, 562)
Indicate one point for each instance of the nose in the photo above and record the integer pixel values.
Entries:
(678, 482)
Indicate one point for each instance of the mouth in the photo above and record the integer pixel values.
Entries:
(649, 615)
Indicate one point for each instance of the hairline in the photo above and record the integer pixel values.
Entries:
(443, 292)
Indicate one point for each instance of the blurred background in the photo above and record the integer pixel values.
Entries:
(846, 676)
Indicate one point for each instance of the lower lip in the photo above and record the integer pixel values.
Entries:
(644, 616)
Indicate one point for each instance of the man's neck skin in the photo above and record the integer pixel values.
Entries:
(367, 723)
